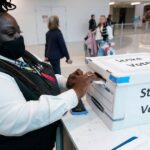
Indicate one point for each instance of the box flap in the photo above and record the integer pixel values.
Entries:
(125, 68)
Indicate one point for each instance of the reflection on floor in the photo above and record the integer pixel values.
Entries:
(128, 42)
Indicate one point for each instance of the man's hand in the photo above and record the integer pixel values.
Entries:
(82, 83)
(72, 78)
(69, 61)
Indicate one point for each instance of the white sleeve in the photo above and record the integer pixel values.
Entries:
(17, 116)
(98, 34)
(110, 33)
(61, 82)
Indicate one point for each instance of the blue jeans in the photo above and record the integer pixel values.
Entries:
(101, 51)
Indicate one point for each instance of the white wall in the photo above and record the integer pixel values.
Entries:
(78, 12)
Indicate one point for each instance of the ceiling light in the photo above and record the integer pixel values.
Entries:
(111, 3)
(135, 3)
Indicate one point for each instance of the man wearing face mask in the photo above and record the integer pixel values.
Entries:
(31, 101)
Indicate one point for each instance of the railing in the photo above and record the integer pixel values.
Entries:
(136, 27)
(121, 32)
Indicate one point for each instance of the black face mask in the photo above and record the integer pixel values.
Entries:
(13, 49)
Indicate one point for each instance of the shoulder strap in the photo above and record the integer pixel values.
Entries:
(30, 59)
(13, 71)
(44, 69)
(33, 61)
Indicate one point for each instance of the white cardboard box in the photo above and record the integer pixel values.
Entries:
(124, 98)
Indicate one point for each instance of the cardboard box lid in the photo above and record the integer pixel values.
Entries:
(133, 68)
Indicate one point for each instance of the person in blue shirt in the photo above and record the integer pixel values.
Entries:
(55, 47)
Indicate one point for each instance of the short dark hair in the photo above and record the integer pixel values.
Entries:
(92, 15)
(109, 15)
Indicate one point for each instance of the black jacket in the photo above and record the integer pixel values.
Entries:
(55, 47)
(92, 24)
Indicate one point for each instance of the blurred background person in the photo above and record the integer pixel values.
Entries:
(92, 23)
(104, 37)
(109, 20)
(55, 47)
(122, 18)
(103, 31)
(111, 23)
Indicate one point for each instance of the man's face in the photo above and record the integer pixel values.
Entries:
(102, 20)
(9, 29)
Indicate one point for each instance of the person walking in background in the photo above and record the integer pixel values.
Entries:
(109, 20)
(104, 37)
(92, 23)
(55, 47)
(103, 31)
(111, 23)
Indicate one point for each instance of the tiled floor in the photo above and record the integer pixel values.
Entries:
(130, 41)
